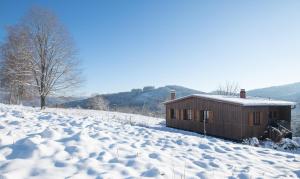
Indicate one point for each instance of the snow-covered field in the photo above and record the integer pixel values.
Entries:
(65, 143)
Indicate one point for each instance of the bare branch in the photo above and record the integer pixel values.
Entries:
(229, 89)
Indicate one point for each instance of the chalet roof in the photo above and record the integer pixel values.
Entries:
(249, 101)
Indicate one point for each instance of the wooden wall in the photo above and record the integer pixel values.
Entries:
(225, 123)
(248, 128)
(229, 121)
(283, 113)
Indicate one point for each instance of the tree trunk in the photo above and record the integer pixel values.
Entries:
(43, 102)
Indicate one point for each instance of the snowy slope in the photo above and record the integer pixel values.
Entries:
(59, 143)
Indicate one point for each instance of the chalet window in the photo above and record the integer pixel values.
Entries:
(256, 118)
(270, 114)
(172, 113)
(207, 116)
(273, 114)
(189, 111)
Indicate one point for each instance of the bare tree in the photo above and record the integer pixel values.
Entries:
(15, 72)
(53, 61)
(38, 56)
(98, 102)
(229, 89)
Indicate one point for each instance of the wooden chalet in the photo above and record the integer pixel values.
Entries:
(230, 117)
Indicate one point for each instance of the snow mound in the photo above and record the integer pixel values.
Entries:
(23, 149)
(251, 141)
(50, 133)
(284, 145)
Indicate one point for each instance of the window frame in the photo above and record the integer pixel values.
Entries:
(256, 118)
(273, 114)
(206, 116)
(189, 114)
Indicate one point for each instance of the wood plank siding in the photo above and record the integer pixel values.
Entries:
(225, 120)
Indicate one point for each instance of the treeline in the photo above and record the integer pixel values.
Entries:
(38, 58)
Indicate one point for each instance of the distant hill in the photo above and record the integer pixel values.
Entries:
(148, 99)
(284, 92)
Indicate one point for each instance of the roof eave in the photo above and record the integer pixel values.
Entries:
(228, 102)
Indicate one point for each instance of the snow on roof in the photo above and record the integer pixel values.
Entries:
(249, 101)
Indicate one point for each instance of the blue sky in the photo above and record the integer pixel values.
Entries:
(198, 44)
